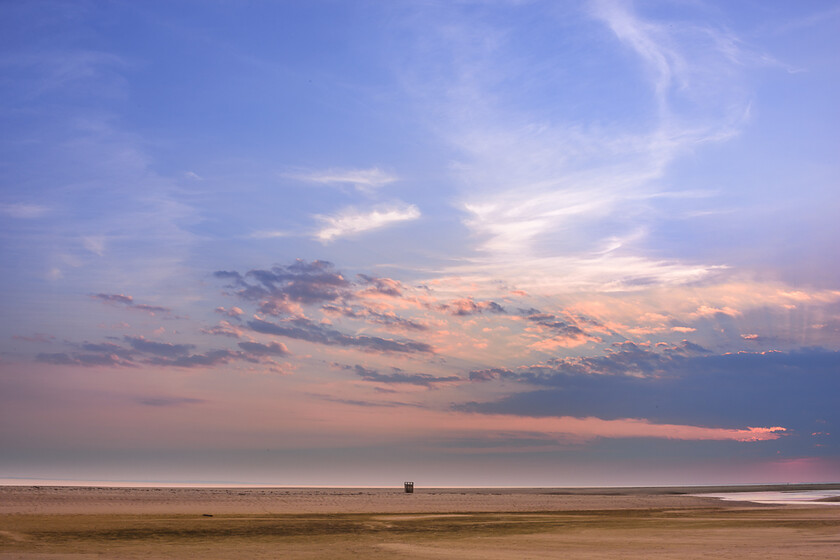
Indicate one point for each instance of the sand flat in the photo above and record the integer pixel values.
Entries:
(63, 523)
(70, 500)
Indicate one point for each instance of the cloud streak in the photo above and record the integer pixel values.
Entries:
(352, 221)
(144, 352)
(304, 329)
(365, 180)
(128, 301)
(400, 377)
(564, 427)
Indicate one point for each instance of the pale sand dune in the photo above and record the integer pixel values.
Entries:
(74, 523)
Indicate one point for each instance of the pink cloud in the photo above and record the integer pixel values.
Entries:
(622, 428)
(709, 311)
(36, 337)
(550, 344)
(468, 306)
(234, 312)
(224, 328)
(421, 422)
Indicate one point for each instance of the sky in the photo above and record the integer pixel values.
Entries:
(465, 243)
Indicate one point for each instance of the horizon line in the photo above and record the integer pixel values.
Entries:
(77, 483)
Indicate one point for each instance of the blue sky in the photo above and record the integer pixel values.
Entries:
(514, 243)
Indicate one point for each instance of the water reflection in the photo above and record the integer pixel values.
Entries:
(810, 497)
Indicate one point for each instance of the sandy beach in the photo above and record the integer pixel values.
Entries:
(84, 522)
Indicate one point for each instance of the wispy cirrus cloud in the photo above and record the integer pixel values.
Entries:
(23, 211)
(167, 401)
(68, 70)
(353, 221)
(83, 359)
(128, 301)
(271, 234)
(554, 203)
(41, 338)
(365, 180)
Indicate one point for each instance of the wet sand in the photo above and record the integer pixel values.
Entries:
(78, 522)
